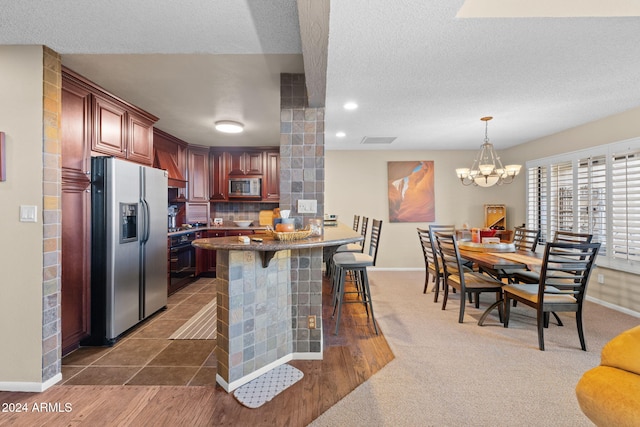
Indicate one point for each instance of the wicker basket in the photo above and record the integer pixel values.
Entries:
(289, 235)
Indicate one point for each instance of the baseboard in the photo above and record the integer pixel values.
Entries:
(613, 306)
(30, 387)
(395, 268)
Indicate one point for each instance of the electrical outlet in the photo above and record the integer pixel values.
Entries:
(601, 279)
(307, 206)
(312, 322)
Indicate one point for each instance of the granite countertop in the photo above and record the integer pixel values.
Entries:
(219, 227)
(333, 236)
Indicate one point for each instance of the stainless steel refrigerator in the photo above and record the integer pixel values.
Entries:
(129, 246)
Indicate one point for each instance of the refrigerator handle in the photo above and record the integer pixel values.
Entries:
(145, 221)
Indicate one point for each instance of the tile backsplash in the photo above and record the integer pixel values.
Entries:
(230, 211)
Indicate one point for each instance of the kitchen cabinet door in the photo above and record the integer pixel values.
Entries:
(140, 142)
(75, 310)
(198, 174)
(218, 161)
(245, 163)
(271, 181)
(110, 124)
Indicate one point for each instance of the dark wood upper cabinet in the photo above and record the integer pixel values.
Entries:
(140, 146)
(122, 133)
(110, 127)
(245, 163)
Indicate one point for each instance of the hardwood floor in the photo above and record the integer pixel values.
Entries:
(350, 358)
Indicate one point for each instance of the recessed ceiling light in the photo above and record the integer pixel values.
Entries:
(341, 134)
(228, 126)
(350, 106)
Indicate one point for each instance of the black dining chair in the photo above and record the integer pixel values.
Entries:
(440, 228)
(524, 239)
(531, 276)
(459, 277)
(562, 286)
(432, 268)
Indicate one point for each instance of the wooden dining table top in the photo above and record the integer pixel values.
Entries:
(503, 260)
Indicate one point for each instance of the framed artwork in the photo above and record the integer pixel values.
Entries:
(3, 169)
(411, 191)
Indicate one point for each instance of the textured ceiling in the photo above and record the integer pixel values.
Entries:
(418, 72)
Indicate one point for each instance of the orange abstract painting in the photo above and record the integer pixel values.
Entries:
(411, 191)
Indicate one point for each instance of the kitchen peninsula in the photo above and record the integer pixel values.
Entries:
(263, 309)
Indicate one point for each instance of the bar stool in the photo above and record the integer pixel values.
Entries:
(351, 247)
(357, 263)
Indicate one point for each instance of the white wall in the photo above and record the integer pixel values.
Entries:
(21, 251)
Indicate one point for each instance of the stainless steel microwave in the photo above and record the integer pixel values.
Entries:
(245, 187)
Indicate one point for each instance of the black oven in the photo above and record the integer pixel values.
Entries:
(182, 260)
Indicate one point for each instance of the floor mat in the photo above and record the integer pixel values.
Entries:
(264, 388)
(202, 326)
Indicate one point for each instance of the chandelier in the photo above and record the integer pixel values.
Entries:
(487, 169)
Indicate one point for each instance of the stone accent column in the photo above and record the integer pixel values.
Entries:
(302, 177)
(51, 245)
(254, 318)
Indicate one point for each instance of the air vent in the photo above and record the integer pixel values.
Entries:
(378, 139)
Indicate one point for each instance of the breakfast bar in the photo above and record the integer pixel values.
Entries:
(269, 302)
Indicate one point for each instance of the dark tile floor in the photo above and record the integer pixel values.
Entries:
(145, 355)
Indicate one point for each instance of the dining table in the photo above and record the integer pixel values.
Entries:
(502, 262)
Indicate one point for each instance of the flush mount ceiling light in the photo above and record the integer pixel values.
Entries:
(229, 126)
(341, 134)
(350, 106)
(487, 169)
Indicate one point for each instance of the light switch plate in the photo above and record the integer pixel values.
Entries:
(307, 206)
(28, 213)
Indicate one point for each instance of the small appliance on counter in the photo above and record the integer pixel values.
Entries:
(173, 212)
(330, 220)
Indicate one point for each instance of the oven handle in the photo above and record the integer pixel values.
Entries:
(181, 246)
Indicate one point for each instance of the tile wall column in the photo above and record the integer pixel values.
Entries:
(302, 177)
(51, 212)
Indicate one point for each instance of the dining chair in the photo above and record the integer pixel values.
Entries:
(432, 269)
(531, 276)
(442, 228)
(524, 239)
(566, 268)
(459, 277)
(356, 263)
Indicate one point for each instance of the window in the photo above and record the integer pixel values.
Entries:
(594, 191)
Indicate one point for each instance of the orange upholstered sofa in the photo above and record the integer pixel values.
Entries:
(609, 394)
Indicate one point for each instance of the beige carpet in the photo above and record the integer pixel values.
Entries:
(202, 326)
(451, 374)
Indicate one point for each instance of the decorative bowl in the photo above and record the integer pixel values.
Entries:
(243, 223)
